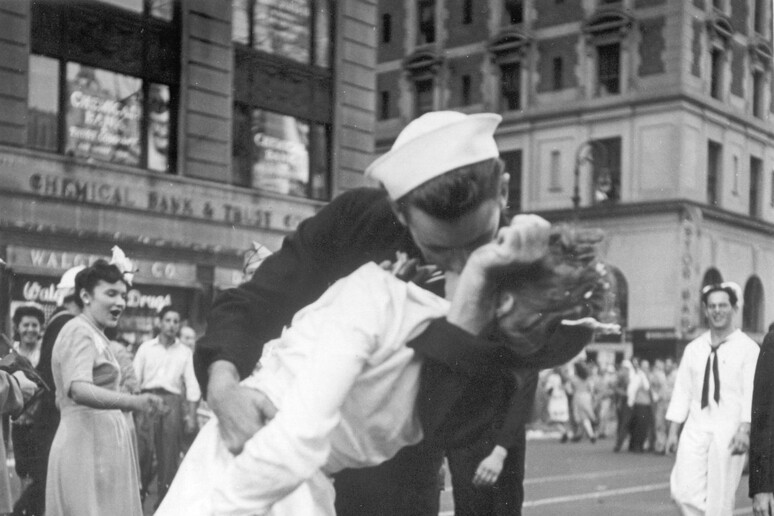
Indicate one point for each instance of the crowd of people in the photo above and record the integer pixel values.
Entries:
(108, 418)
(626, 402)
(394, 328)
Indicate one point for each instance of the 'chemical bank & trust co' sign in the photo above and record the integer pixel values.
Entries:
(56, 262)
(159, 201)
(156, 194)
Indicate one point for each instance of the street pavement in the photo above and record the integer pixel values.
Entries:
(584, 479)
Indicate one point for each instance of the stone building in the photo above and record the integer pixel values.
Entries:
(181, 130)
(651, 119)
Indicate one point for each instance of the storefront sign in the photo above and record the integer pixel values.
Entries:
(149, 272)
(114, 194)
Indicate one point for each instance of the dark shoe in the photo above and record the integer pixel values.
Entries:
(563, 439)
(617, 448)
(593, 440)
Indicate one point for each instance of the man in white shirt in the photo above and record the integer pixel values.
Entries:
(713, 398)
(164, 366)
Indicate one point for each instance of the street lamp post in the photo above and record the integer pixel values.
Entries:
(585, 154)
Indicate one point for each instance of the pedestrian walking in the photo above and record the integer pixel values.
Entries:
(164, 367)
(712, 402)
(638, 394)
(583, 403)
(624, 404)
(558, 404)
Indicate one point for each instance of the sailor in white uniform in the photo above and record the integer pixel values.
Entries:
(712, 400)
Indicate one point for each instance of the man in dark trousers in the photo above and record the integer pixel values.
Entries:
(762, 431)
(444, 196)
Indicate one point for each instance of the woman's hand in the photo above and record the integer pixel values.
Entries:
(150, 404)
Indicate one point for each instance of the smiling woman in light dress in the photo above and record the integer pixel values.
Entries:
(92, 469)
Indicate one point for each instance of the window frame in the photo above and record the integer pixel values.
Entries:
(150, 53)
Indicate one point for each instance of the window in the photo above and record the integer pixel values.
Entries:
(756, 173)
(510, 86)
(735, 186)
(120, 108)
(753, 312)
(386, 28)
(283, 154)
(714, 160)
(424, 97)
(556, 171)
(299, 30)
(608, 69)
(757, 93)
(384, 105)
(512, 160)
(466, 90)
(771, 201)
(759, 18)
(716, 71)
(43, 104)
(281, 134)
(467, 12)
(514, 10)
(558, 71)
(606, 158)
(426, 18)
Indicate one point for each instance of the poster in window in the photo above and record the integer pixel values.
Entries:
(282, 27)
(103, 115)
(281, 153)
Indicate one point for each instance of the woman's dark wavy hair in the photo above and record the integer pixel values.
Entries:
(570, 282)
(88, 278)
(457, 192)
(28, 311)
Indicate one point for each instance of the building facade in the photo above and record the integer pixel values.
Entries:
(651, 119)
(179, 130)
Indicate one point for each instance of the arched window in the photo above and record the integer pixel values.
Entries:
(619, 300)
(753, 309)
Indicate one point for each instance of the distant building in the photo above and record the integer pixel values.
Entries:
(181, 130)
(654, 117)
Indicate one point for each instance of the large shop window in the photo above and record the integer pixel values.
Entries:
(108, 116)
(103, 79)
(295, 29)
(280, 153)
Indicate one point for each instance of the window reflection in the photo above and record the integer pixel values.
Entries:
(283, 28)
(103, 115)
(289, 156)
(158, 127)
(295, 29)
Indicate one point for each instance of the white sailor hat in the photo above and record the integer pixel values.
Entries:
(432, 145)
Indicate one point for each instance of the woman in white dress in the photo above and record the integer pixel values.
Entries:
(345, 386)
